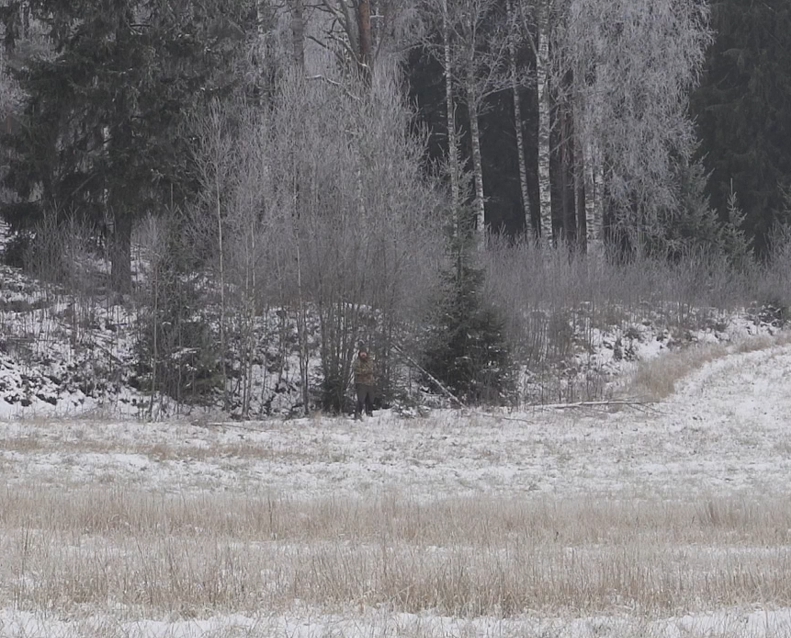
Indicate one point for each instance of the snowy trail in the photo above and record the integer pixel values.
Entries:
(726, 431)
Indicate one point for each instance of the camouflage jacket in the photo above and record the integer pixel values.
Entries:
(364, 372)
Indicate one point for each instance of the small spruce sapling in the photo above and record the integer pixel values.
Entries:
(467, 350)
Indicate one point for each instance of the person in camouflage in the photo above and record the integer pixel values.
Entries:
(364, 383)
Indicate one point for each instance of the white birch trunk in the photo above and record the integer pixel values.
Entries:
(520, 138)
(594, 210)
(542, 80)
(450, 116)
(477, 163)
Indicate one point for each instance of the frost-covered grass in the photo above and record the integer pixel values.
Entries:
(670, 519)
(468, 557)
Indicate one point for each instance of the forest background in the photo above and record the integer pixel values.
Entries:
(474, 189)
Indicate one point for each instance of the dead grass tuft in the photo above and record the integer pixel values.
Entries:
(656, 379)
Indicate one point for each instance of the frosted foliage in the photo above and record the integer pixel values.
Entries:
(634, 63)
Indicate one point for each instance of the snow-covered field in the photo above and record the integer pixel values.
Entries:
(718, 449)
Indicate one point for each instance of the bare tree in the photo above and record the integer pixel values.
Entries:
(543, 20)
(454, 167)
(297, 8)
(152, 244)
(532, 23)
(217, 164)
(480, 46)
(301, 234)
(363, 253)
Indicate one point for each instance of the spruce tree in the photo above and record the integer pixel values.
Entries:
(467, 351)
(743, 111)
(100, 136)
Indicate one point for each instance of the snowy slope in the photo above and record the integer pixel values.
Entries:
(725, 432)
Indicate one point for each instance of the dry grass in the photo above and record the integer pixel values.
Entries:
(657, 379)
(160, 451)
(213, 553)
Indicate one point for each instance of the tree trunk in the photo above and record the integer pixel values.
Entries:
(544, 128)
(450, 117)
(579, 192)
(566, 169)
(298, 32)
(520, 138)
(477, 163)
(221, 257)
(594, 209)
(121, 251)
(366, 42)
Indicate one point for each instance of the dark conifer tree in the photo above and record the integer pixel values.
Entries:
(743, 110)
(100, 136)
(468, 351)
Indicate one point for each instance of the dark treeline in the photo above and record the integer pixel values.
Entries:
(739, 108)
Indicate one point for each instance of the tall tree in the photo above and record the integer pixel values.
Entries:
(533, 23)
(298, 32)
(743, 112)
(543, 12)
(514, 73)
(454, 167)
(473, 56)
(482, 48)
(364, 32)
(100, 136)
(633, 64)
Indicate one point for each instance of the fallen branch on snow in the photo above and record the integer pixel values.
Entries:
(592, 404)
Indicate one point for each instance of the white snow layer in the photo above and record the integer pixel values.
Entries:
(725, 432)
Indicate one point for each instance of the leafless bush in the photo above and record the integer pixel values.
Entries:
(557, 303)
(539, 287)
(302, 209)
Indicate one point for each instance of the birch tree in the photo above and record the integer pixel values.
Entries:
(633, 64)
(482, 49)
(542, 11)
(474, 57)
(514, 76)
(454, 167)
(533, 23)
(483, 58)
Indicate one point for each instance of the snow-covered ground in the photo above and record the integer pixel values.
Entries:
(725, 433)
(727, 429)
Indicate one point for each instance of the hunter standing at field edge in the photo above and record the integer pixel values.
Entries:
(364, 382)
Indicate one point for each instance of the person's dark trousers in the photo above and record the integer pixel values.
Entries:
(365, 399)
